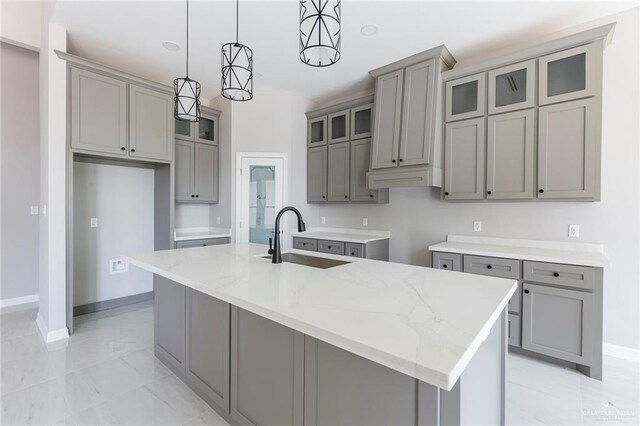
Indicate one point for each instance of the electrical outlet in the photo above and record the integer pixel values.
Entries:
(218, 220)
(34, 210)
(118, 266)
(574, 231)
(94, 222)
(323, 220)
(365, 221)
(477, 226)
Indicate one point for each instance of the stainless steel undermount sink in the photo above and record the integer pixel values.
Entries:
(313, 261)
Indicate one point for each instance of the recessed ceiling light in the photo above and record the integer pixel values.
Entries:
(170, 46)
(369, 30)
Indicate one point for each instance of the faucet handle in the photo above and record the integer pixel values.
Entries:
(270, 248)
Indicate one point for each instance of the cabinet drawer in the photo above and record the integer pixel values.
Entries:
(202, 243)
(354, 249)
(513, 330)
(305, 244)
(448, 261)
(582, 277)
(333, 247)
(493, 266)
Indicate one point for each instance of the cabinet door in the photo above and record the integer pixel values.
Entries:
(513, 330)
(184, 130)
(98, 113)
(510, 140)
(169, 320)
(341, 388)
(447, 261)
(512, 88)
(208, 347)
(338, 172)
(206, 173)
(339, 126)
(464, 160)
(185, 160)
(464, 97)
(386, 122)
(569, 150)
(150, 124)
(360, 158)
(317, 174)
(317, 131)
(267, 371)
(417, 114)
(354, 249)
(558, 322)
(570, 74)
(361, 121)
(207, 130)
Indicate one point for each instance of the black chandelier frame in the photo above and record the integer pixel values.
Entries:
(325, 15)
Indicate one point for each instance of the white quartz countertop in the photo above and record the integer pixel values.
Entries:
(187, 234)
(347, 235)
(584, 254)
(423, 322)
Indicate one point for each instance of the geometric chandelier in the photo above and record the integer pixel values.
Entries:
(187, 100)
(237, 69)
(320, 32)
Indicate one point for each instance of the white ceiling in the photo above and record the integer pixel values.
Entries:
(128, 35)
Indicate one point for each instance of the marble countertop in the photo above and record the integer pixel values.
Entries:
(584, 254)
(360, 236)
(424, 322)
(187, 234)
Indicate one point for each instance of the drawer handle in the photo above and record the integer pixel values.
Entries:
(371, 195)
(488, 192)
(346, 196)
(445, 266)
(541, 191)
(526, 291)
(304, 244)
(133, 150)
(446, 193)
(123, 148)
(555, 274)
(353, 254)
(323, 197)
(329, 247)
(489, 267)
(393, 161)
(204, 245)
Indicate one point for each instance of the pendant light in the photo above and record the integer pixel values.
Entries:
(187, 101)
(320, 32)
(237, 69)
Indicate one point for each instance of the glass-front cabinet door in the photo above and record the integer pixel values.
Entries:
(338, 126)
(361, 121)
(317, 131)
(184, 130)
(205, 130)
(512, 88)
(570, 74)
(465, 97)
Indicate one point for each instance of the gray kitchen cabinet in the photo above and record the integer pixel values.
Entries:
(317, 174)
(568, 150)
(98, 113)
(492, 266)
(354, 250)
(465, 97)
(184, 130)
(339, 129)
(207, 129)
(206, 173)
(558, 322)
(317, 131)
(361, 121)
(208, 348)
(578, 277)
(374, 249)
(338, 172)
(151, 133)
(341, 388)
(267, 371)
(184, 170)
(510, 155)
(204, 242)
(331, 247)
(169, 321)
(448, 261)
(512, 87)
(360, 158)
(305, 244)
(570, 74)
(386, 123)
(464, 160)
(513, 330)
(417, 114)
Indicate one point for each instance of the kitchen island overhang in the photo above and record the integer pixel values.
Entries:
(424, 323)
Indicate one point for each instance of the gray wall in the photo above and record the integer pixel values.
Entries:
(20, 171)
(121, 197)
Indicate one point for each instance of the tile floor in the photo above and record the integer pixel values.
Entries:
(107, 374)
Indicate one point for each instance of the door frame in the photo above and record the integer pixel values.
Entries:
(240, 156)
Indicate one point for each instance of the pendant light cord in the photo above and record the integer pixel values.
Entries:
(187, 38)
(237, 20)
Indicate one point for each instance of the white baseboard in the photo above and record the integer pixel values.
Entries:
(622, 352)
(18, 303)
(50, 336)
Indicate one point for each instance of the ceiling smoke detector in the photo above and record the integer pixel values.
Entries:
(170, 46)
(369, 30)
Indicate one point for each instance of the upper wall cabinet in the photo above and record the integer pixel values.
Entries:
(512, 87)
(464, 156)
(339, 126)
(386, 127)
(464, 97)
(571, 74)
(150, 124)
(361, 121)
(317, 131)
(203, 131)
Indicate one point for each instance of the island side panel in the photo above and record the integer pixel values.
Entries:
(169, 322)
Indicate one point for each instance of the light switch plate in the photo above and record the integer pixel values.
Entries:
(94, 222)
(477, 226)
(34, 210)
(574, 231)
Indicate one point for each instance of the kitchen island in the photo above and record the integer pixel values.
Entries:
(365, 342)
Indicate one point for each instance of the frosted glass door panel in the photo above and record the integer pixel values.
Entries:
(317, 131)
(339, 126)
(183, 130)
(361, 122)
(261, 203)
(512, 87)
(206, 130)
(465, 97)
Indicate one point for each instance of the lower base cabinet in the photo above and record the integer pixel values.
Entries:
(169, 320)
